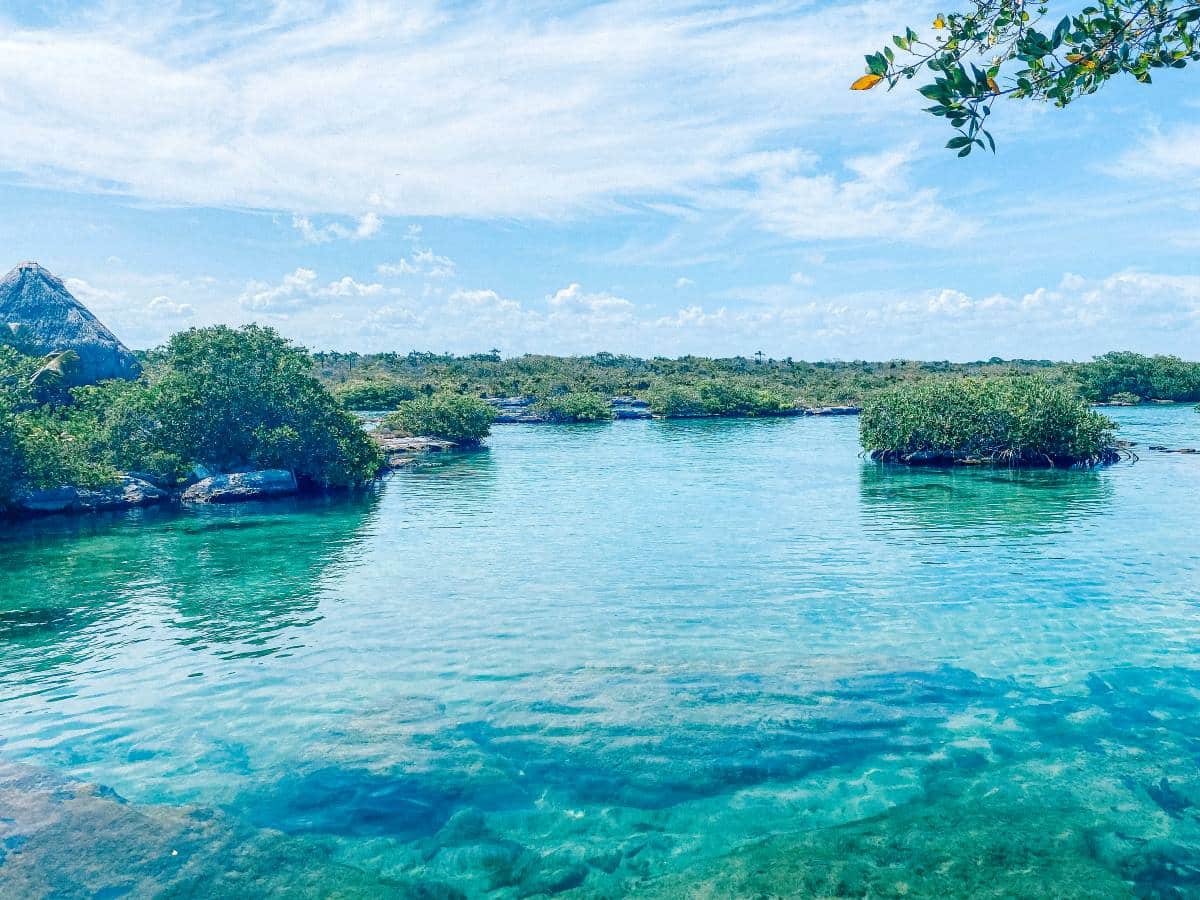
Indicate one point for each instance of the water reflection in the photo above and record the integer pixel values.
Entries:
(709, 431)
(239, 577)
(232, 578)
(978, 503)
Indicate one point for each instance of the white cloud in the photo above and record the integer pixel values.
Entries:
(603, 307)
(348, 287)
(299, 290)
(682, 282)
(1077, 316)
(164, 307)
(877, 200)
(398, 108)
(136, 307)
(367, 226)
(1163, 155)
(421, 262)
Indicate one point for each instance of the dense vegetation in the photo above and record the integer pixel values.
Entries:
(734, 398)
(1131, 377)
(577, 406)
(1015, 421)
(373, 393)
(226, 399)
(452, 417)
(712, 386)
(738, 386)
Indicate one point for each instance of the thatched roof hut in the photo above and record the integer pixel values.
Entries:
(43, 316)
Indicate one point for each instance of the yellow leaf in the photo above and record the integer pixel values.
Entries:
(939, 23)
(866, 83)
(995, 88)
(1074, 57)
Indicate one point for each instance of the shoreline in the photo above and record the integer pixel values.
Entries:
(136, 491)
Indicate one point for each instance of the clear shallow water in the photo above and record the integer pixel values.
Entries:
(708, 658)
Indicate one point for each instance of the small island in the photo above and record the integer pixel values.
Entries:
(1011, 421)
(222, 414)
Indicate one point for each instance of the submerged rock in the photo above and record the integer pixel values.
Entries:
(126, 493)
(64, 838)
(239, 486)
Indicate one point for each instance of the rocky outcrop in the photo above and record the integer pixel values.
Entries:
(239, 486)
(44, 318)
(523, 411)
(403, 450)
(126, 493)
(394, 443)
(516, 411)
(834, 411)
(630, 408)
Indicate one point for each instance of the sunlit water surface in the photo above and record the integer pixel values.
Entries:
(712, 658)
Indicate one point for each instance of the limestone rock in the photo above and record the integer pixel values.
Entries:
(239, 486)
(126, 493)
(835, 411)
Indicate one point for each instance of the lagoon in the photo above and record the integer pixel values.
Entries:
(708, 657)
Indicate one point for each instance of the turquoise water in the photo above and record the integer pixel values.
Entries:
(710, 658)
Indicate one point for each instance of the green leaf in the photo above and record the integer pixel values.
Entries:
(1061, 31)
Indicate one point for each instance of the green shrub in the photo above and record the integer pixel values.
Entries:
(579, 406)
(734, 399)
(373, 393)
(38, 446)
(451, 417)
(118, 422)
(1013, 421)
(226, 398)
(675, 401)
(10, 464)
(246, 398)
(718, 397)
(51, 455)
(1151, 377)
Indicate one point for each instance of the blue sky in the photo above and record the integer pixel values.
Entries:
(651, 178)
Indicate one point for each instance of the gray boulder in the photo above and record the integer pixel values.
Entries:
(630, 408)
(835, 411)
(126, 493)
(42, 317)
(395, 443)
(239, 486)
(46, 500)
